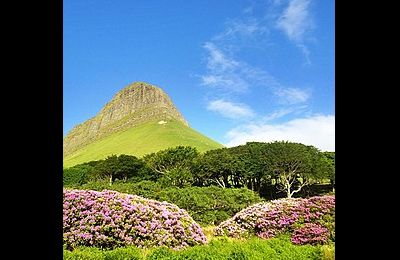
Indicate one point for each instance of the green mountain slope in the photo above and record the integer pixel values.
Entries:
(142, 139)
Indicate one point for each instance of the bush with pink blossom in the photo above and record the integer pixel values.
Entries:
(110, 219)
(315, 215)
(310, 233)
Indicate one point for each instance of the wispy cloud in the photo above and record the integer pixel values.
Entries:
(277, 114)
(217, 61)
(228, 75)
(292, 95)
(295, 22)
(223, 72)
(242, 29)
(230, 109)
(318, 131)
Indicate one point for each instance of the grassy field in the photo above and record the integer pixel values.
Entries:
(218, 248)
(143, 139)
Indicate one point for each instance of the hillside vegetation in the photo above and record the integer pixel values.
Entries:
(143, 139)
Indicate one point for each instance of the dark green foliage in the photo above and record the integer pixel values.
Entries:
(330, 157)
(294, 165)
(254, 248)
(77, 175)
(173, 165)
(129, 167)
(210, 205)
(253, 156)
(218, 167)
(121, 167)
(273, 170)
(177, 178)
(147, 189)
(107, 168)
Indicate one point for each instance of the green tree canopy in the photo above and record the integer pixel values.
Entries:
(294, 165)
(122, 166)
(173, 165)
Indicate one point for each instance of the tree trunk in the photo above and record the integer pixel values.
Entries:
(226, 181)
(219, 183)
(288, 194)
(110, 183)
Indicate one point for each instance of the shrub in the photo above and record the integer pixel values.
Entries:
(269, 219)
(123, 253)
(328, 252)
(210, 205)
(110, 219)
(207, 205)
(147, 189)
(77, 175)
(84, 253)
(310, 233)
(252, 249)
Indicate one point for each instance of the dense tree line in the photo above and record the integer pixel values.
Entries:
(284, 167)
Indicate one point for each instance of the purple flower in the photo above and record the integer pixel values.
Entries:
(108, 219)
(268, 219)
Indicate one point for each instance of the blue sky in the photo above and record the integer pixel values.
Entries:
(251, 70)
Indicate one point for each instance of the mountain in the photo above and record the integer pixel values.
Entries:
(139, 119)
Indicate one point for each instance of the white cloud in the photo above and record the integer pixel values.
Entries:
(217, 60)
(278, 114)
(226, 81)
(295, 20)
(318, 131)
(230, 109)
(306, 53)
(223, 72)
(292, 95)
(240, 28)
(227, 75)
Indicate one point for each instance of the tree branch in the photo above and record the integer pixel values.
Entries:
(222, 185)
(300, 187)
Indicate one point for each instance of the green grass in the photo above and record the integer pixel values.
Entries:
(140, 140)
(221, 248)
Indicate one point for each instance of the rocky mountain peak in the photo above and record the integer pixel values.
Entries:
(137, 103)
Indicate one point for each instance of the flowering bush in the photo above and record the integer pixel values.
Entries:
(268, 219)
(109, 219)
(310, 233)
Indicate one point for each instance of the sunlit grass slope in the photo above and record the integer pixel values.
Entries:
(140, 140)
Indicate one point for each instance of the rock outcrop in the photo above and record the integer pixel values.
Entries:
(135, 104)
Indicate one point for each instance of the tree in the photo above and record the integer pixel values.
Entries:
(77, 175)
(128, 166)
(219, 166)
(330, 157)
(107, 168)
(294, 165)
(253, 159)
(173, 165)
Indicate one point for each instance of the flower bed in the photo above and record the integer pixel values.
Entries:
(294, 215)
(109, 219)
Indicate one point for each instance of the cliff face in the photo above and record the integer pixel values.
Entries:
(137, 103)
